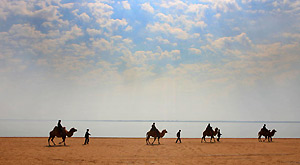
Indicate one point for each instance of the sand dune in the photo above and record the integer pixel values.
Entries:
(135, 151)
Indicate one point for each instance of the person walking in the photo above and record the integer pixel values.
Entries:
(87, 137)
(178, 137)
(219, 135)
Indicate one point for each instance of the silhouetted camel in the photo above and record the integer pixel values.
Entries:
(154, 134)
(267, 134)
(210, 133)
(56, 132)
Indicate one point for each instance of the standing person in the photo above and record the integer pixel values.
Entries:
(178, 136)
(60, 128)
(219, 135)
(87, 137)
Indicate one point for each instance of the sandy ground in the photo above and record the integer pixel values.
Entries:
(135, 151)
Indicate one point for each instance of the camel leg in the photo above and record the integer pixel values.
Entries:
(154, 140)
(64, 140)
(158, 140)
(147, 140)
(203, 138)
(49, 141)
(52, 140)
(265, 138)
(259, 138)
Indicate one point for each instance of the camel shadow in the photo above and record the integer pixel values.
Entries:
(154, 144)
(53, 146)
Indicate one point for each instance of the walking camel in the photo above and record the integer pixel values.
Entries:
(56, 132)
(267, 134)
(210, 133)
(154, 134)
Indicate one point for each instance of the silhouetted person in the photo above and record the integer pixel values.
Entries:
(59, 126)
(178, 136)
(87, 137)
(264, 127)
(209, 127)
(153, 128)
(219, 135)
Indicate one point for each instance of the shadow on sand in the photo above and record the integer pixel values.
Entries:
(57, 146)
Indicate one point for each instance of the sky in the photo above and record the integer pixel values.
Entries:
(150, 60)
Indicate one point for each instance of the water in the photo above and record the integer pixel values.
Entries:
(138, 128)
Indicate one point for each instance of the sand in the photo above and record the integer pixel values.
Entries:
(135, 151)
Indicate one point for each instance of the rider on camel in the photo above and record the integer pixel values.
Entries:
(60, 128)
(153, 128)
(209, 127)
(264, 128)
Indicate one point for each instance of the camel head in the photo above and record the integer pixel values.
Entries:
(216, 129)
(274, 130)
(164, 131)
(73, 130)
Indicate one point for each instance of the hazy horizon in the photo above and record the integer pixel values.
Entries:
(203, 60)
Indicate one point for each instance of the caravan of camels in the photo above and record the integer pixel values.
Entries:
(62, 132)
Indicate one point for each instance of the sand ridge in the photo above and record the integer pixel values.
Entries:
(135, 151)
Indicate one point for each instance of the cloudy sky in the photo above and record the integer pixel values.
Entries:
(164, 60)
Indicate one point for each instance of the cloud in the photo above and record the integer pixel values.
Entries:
(126, 5)
(195, 51)
(142, 57)
(225, 6)
(292, 35)
(147, 7)
(128, 28)
(198, 9)
(177, 4)
(240, 41)
(83, 16)
(102, 13)
(167, 29)
(93, 32)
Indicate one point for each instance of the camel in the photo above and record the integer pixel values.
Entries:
(210, 133)
(154, 134)
(56, 132)
(267, 134)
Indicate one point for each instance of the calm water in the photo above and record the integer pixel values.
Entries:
(190, 129)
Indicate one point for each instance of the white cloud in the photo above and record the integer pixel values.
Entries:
(199, 9)
(167, 29)
(142, 57)
(128, 28)
(147, 7)
(177, 4)
(102, 13)
(240, 41)
(93, 32)
(126, 5)
(84, 17)
(218, 15)
(195, 51)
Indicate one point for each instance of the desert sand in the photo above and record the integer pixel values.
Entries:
(135, 151)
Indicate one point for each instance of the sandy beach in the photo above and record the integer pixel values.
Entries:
(135, 151)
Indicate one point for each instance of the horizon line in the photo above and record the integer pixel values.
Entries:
(166, 121)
